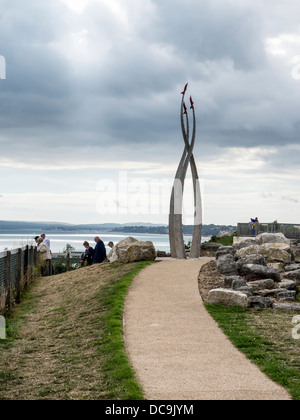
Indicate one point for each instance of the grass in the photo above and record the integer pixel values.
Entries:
(65, 340)
(265, 337)
(123, 384)
(223, 240)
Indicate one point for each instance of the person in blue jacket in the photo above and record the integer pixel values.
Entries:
(254, 225)
(99, 251)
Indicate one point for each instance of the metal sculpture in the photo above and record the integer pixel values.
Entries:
(175, 217)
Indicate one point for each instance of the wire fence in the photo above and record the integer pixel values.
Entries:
(16, 270)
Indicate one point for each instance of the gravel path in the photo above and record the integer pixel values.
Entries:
(175, 347)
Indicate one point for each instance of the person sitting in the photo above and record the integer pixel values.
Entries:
(88, 255)
(99, 251)
(45, 258)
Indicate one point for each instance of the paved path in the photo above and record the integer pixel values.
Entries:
(176, 348)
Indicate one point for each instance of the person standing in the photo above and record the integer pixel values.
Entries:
(45, 240)
(99, 251)
(254, 223)
(45, 257)
(88, 255)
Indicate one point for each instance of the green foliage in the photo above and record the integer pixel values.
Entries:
(224, 240)
(188, 246)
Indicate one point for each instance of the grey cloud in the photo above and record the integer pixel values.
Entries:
(129, 96)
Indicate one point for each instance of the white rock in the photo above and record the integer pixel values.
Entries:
(132, 250)
(249, 250)
(228, 297)
(271, 238)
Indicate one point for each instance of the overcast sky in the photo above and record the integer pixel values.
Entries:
(90, 108)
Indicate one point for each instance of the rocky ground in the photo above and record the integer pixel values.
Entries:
(264, 273)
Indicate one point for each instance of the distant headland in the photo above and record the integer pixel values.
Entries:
(11, 227)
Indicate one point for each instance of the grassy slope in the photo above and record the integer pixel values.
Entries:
(65, 340)
(265, 336)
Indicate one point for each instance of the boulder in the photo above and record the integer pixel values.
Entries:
(286, 295)
(228, 297)
(246, 290)
(131, 250)
(247, 251)
(279, 266)
(274, 254)
(251, 259)
(268, 292)
(287, 306)
(296, 252)
(288, 284)
(226, 265)
(280, 246)
(259, 272)
(228, 281)
(225, 250)
(261, 284)
(163, 254)
(210, 246)
(292, 267)
(244, 244)
(238, 283)
(264, 238)
(294, 276)
(260, 302)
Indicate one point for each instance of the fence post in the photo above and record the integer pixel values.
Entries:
(8, 281)
(19, 275)
(26, 265)
(68, 262)
(31, 260)
(35, 257)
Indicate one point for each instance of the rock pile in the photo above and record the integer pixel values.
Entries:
(260, 273)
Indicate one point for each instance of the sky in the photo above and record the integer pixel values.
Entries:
(90, 108)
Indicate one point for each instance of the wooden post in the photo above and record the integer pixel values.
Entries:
(30, 263)
(25, 268)
(68, 262)
(19, 275)
(8, 281)
(34, 255)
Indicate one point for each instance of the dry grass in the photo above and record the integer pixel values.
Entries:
(264, 335)
(57, 352)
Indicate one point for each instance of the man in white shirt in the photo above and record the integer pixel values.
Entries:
(45, 240)
(45, 257)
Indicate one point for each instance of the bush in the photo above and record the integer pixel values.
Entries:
(224, 240)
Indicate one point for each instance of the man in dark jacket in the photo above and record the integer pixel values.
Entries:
(99, 251)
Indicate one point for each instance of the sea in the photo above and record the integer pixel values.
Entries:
(59, 241)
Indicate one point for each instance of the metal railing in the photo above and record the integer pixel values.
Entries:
(16, 269)
(289, 230)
